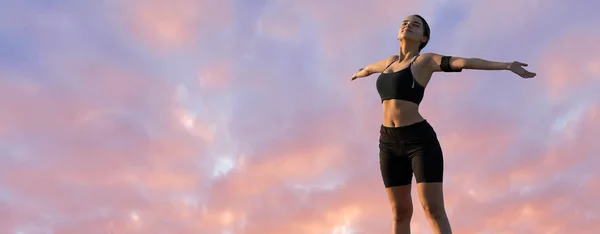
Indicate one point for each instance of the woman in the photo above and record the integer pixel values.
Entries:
(407, 143)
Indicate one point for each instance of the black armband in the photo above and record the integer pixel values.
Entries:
(445, 65)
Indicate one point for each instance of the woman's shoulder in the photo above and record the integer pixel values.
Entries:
(427, 58)
(391, 59)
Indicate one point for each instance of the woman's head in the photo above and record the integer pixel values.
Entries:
(415, 28)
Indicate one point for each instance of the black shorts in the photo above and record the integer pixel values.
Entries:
(410, 149)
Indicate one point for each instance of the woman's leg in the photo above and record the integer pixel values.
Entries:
(402, 208)
(397, 177)
(432, 199)
(428, 166)
(396, 172)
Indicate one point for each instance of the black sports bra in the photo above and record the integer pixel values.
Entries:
(400, 85)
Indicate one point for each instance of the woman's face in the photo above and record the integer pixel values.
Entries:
(412, 29)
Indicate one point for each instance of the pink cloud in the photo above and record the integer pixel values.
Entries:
(163, 24)
(503, 210)
(97, 155)
(490, 20)
(119, 154)
(215, 76)
(566, 69)
(281, 20)
(579, 144)
(345, 24)
(6, 217)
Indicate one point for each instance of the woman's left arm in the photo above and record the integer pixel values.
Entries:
(441, 63)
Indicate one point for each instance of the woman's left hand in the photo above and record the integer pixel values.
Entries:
(517, 68)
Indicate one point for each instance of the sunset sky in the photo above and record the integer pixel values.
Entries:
(239, 117)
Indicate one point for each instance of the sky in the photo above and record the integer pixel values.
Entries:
(239, 117)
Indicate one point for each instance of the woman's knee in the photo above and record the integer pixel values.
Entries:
(401, 202)
(402, 212)
(432, 199)
(434, 209)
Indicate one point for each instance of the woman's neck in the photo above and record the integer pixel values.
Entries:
(407, 51)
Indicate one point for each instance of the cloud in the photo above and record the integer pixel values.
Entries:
(567, 70)
(270, 136)
(161, 24)
(281, 20)
(215, 76)
(99, 152)
(335, 28)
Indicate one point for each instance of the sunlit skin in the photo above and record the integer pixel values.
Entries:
(402, 113)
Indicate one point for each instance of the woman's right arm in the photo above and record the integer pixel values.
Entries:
(376, 67)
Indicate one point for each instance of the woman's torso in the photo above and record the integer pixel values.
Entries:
(401, 86)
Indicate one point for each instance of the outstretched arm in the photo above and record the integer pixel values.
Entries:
(440, 63)
(372, 68)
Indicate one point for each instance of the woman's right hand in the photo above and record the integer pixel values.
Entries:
(357, 75)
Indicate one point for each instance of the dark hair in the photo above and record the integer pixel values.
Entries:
(426, 32)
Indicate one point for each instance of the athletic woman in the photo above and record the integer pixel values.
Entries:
(408, 144)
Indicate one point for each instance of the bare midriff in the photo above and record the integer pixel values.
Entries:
(398, 113)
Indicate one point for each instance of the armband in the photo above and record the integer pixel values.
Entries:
(445, 65)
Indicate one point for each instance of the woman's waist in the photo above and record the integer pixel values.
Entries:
(399, 105)
(400, 113)
(395, 121)
(417, 131)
